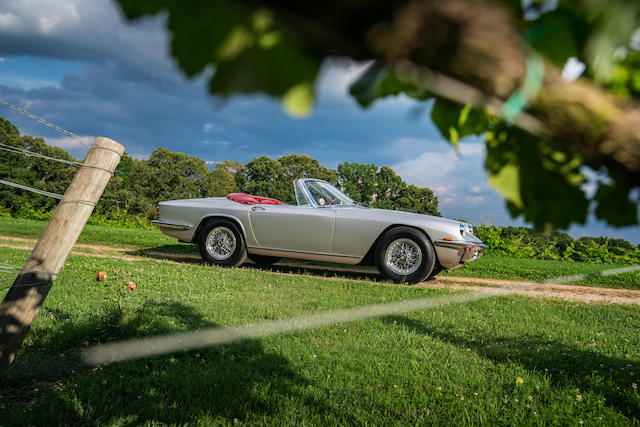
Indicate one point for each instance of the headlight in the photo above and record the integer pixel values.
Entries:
(461, 228)
(470, 228)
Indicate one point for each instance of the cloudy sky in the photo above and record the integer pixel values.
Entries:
(78, 64)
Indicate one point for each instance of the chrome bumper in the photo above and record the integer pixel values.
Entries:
(173, 225)
(466, 251)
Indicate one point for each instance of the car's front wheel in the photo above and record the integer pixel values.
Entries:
(221, 243)
(406, 255)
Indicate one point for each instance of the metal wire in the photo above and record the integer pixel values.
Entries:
(44, 122)
(33, 190)
(19, 150)
(27, 285)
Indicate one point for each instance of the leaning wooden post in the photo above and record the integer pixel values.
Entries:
(26, 296)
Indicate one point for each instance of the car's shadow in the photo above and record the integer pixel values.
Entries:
(189, 254)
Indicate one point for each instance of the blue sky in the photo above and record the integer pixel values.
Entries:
(78, 64)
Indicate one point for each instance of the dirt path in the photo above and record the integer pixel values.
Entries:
(495, 286)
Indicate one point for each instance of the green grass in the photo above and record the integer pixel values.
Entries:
(488, 266)
(454, 364)
(539, 270)
(95, 234)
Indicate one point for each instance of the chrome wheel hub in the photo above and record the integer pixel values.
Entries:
(403, 257)
(221, 243)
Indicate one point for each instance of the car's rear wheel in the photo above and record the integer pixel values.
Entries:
(221, 243)
(405, 255)
(264, 259)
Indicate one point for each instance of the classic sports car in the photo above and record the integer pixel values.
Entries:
(325, 225)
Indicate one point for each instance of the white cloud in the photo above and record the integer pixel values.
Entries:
(212, 127)
(458, 179)
(9, 21)
(336, 76)
(69, 143)
(140, 156)
(433, 169)
(85, 30)
(221, 143)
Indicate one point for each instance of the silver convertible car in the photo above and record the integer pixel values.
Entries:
(325, 225)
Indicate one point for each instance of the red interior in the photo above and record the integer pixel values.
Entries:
(248, 199)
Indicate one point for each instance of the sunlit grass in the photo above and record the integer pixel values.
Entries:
(144, 241)
(454, 364)
(540, 270)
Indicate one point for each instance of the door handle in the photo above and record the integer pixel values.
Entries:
(257, 208)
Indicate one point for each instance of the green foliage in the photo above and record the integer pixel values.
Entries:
(523, 242)
(358, 180)
(136, 187)
(276, 48)
(250, 52)
(418, 200)
(378, 81)
(538, 179)
(389, 188)
(614, 204)
(456, 122)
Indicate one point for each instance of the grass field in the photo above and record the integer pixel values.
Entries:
(488, 266)
(540, 270)
(504, 360)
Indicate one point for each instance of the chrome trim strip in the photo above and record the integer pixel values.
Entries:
(303, 252)
(457, 244)
(174, 225)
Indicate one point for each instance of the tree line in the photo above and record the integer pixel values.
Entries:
(138, 185)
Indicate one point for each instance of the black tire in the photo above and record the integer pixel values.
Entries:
(221, 243)
(417, 259)
(264, 259)
(437, 269)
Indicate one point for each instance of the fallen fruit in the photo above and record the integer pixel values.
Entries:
(132, 286)
(101, 276)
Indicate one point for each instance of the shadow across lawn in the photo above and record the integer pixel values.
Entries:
(189, 255)
(564, 364)
(49, 385)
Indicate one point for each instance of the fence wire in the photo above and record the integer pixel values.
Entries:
(44, 122)
(157, 345)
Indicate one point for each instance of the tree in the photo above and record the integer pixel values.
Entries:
(262, 176)
(220, 182)
(358, 180)
(389, 187)
(492, 65)
(296, 166)
(418, 200)
(43, 174)
(238, 170)
(14, 168)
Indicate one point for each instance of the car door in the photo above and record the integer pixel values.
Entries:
(293, 228)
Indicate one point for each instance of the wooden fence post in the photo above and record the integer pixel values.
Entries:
(26, 296)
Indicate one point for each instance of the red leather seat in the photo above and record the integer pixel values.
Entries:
(248, 199)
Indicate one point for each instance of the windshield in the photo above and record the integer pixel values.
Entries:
(325, 194)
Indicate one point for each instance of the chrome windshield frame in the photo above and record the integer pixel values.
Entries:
(311, 199)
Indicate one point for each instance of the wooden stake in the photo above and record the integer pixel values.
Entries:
(26, 296)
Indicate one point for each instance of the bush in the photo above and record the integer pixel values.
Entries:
(522, 242)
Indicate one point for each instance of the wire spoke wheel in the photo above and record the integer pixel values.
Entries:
(403, 256)
(221, 243)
